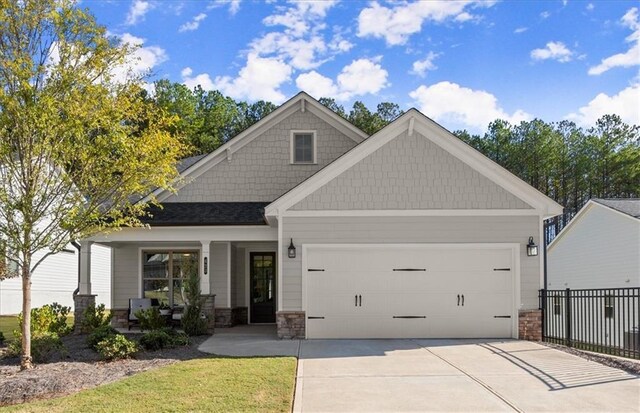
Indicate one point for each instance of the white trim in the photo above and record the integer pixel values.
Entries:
(190, 234)
(541, 250)
(579, 215)
(245, 137)
(439, 136)
(513, 247)
(228, 274)
(411, 213)
(143, 249)
(247, 277)
(292, 149)
(279, 264)
(112, 300)
(410, 130)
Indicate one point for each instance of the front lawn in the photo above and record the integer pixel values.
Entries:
(8, 323)
(262, 384)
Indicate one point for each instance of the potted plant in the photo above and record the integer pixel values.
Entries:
(164, 309)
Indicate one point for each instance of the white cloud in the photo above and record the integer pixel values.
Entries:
(203, 79)
(259, 79)
(234, 5)
(420, 67)
(360, 77)
(450, 102)
(143, 60)
(300, 53)
(545, 15)
(137, 11)
(624, 104)
(554, 51)
(629, 58)
(590, 7)
(398, 23)
(520, 30)
(193, 24)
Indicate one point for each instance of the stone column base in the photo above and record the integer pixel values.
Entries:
(120, 318)
(80, 303)
(209, 310)
(290, 324)
(530, 325)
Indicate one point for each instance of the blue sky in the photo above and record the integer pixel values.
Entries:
(462, 63)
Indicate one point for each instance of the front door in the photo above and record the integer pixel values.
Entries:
(262, 274)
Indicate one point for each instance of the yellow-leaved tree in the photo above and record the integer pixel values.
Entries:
(79, 142)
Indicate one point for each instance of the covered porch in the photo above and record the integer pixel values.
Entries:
(237, 266)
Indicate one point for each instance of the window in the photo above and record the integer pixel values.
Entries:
(164, 273)
(303, 147)
(608, 306)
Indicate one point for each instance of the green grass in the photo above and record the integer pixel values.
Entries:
(262, 384)
(8, 323)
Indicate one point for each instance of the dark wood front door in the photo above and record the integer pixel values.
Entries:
(263, 287)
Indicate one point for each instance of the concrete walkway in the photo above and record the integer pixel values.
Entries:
(454, 376)
(249, 341)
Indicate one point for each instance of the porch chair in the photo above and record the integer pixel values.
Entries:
(136, 304)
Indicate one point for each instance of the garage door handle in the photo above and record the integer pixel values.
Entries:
(458, 300)
(360, 300)
(409, 316)
(315, 269)
(356, 299)
(409, 269)
(501, 316)
(463, 300)
(502, 269)
(315, 318)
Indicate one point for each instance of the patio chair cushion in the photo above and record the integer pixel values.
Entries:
(136, 304)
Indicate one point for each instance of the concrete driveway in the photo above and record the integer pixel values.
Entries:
(455, 375)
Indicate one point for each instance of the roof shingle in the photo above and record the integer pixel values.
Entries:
(626, 206)
(206, 213)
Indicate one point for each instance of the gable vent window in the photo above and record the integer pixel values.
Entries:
(303, 147)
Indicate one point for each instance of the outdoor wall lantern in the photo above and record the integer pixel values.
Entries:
(292, 250)
(532, 248)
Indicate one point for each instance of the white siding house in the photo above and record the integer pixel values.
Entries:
(600, 248)
(56, 279)
(305, 222)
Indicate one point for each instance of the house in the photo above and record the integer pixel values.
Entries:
(599, 248)
(56, 279)
(304, 221)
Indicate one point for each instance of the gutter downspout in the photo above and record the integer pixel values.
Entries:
(78, 247)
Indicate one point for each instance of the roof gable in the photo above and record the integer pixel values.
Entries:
(196, 166)
(415, 122)
(630, 207)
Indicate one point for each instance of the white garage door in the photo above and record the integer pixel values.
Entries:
(417, 291)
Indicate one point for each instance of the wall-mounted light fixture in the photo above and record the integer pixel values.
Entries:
(292, 250)
(532, 248)
(206, 265)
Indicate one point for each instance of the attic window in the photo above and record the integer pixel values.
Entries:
(303, 147)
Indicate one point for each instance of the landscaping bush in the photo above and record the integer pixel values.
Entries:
(50, 318)
(99, 334)
(1, 337)
(193, 323)
(43, 345)
(95, 317)
(150, 319)
(163, 338)
(116, 347)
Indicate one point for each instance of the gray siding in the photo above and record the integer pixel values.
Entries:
(261, 170)
(389, 230)
(219, 278)
(126, 283)
(601, 250)
(238, 275)
(410, 172)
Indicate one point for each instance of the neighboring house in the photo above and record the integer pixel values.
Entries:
(599, 248)
(55, 280)
(304, 221)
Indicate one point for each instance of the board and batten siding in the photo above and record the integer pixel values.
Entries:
(262, 169)
(219, 272)
(601, 250)
(398, 230)
(410, 172)
(126, 275)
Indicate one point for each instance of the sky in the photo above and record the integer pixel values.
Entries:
(462, 63)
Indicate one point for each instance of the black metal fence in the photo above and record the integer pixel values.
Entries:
(605, 320)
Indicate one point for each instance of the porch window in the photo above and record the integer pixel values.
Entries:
(164, 274)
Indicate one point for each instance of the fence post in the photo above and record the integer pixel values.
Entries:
(543, 310)
(567, 320)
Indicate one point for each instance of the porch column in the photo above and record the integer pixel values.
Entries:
(205, 267)
(84, 284)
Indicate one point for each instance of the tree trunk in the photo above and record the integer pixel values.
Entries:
(26, 361)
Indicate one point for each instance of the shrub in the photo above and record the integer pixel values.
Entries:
(50, 318)
(193, 323)
(99, 334)
(150, 319)
(95, 317)
(156, 340)
(180, 339)
(116, 347)
(1, 337)
(43, 346)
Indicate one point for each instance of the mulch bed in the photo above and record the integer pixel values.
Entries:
(80, 368)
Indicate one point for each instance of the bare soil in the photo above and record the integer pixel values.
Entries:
(79, 367)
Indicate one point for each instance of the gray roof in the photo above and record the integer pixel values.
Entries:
(629, 206)
(206, 213)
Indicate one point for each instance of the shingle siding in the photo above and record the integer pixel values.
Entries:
(410, 172)
(261, 170)
(391, 230)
